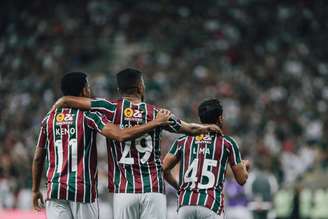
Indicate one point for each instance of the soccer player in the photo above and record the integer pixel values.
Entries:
(135, 168)
(203, 161)
(68, 140)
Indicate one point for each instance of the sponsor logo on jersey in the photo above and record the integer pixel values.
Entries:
(203, 139)
(64, 119)
(133, 115)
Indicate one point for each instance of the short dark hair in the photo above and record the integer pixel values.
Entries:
(128, 79)
(73, 83)
(209, 111)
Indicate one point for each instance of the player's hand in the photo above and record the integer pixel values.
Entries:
(163, 117)
(247, 164)
(59, 103)
(37, 200)
(213, 128)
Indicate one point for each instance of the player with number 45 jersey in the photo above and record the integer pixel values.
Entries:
(203, 161)
(135, 173)
(68, 142)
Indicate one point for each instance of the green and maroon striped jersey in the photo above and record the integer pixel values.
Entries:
(203, 161)
(69, 138)
(134, 166)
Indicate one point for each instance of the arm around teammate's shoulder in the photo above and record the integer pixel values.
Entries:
(82, 103)
(197, 129)
(116, 133)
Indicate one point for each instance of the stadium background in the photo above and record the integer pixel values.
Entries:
(266, 61)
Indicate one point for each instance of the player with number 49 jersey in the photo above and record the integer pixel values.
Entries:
(203, 161)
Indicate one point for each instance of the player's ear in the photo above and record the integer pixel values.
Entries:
(221, 120)
(86, 92)
(141, 87)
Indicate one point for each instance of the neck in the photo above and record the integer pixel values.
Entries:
(134, 98)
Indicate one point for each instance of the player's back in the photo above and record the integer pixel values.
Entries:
(70, 141)
(203, 162)
(134, 166)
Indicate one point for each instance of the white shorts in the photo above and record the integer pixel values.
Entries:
(62, 209)
(139, 206)
(197, 212)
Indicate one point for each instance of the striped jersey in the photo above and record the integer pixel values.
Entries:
(69, 137)
(134, 166)
(203, 161)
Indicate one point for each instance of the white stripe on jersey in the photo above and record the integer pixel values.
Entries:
(84, 150)
(233, 150)
(68, 160)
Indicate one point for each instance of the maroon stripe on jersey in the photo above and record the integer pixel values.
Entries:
(42, 137)
(136, 168)
(110, 166)
(93, 166)
(52, 155)
(80, 169)
(151, 161)
(117, 120)
(181, 196)
(187, 150)
(194, 198)
(200, 164)
(217, 156)
(210, 198)
(63, 174)
(221, 203)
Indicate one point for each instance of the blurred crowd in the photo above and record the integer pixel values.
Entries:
(265, 60)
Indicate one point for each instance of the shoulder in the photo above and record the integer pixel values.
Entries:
(230, 141)
(47, 116)
(182, 138)
(107, 100)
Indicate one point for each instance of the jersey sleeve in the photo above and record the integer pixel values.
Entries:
(175, 149)
(95, 120)
(234, 152)
(104, 107)
(42, 139)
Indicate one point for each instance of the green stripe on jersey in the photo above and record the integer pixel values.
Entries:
(235, 148)
(145, 170)
(102, 103)
(128, 168)
(72, 176)
(187, 197)
(56, 177)
(87, 153)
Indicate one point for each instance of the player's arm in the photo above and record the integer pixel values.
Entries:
(37, 169)
(82, 103)
(239, 167)
(116, 133)
(240, 171)
(102, 125)
(197, 129)
(169, 162)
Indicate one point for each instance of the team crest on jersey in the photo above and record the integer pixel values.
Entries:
(64, 119)
(203, 139)
(133, 115)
